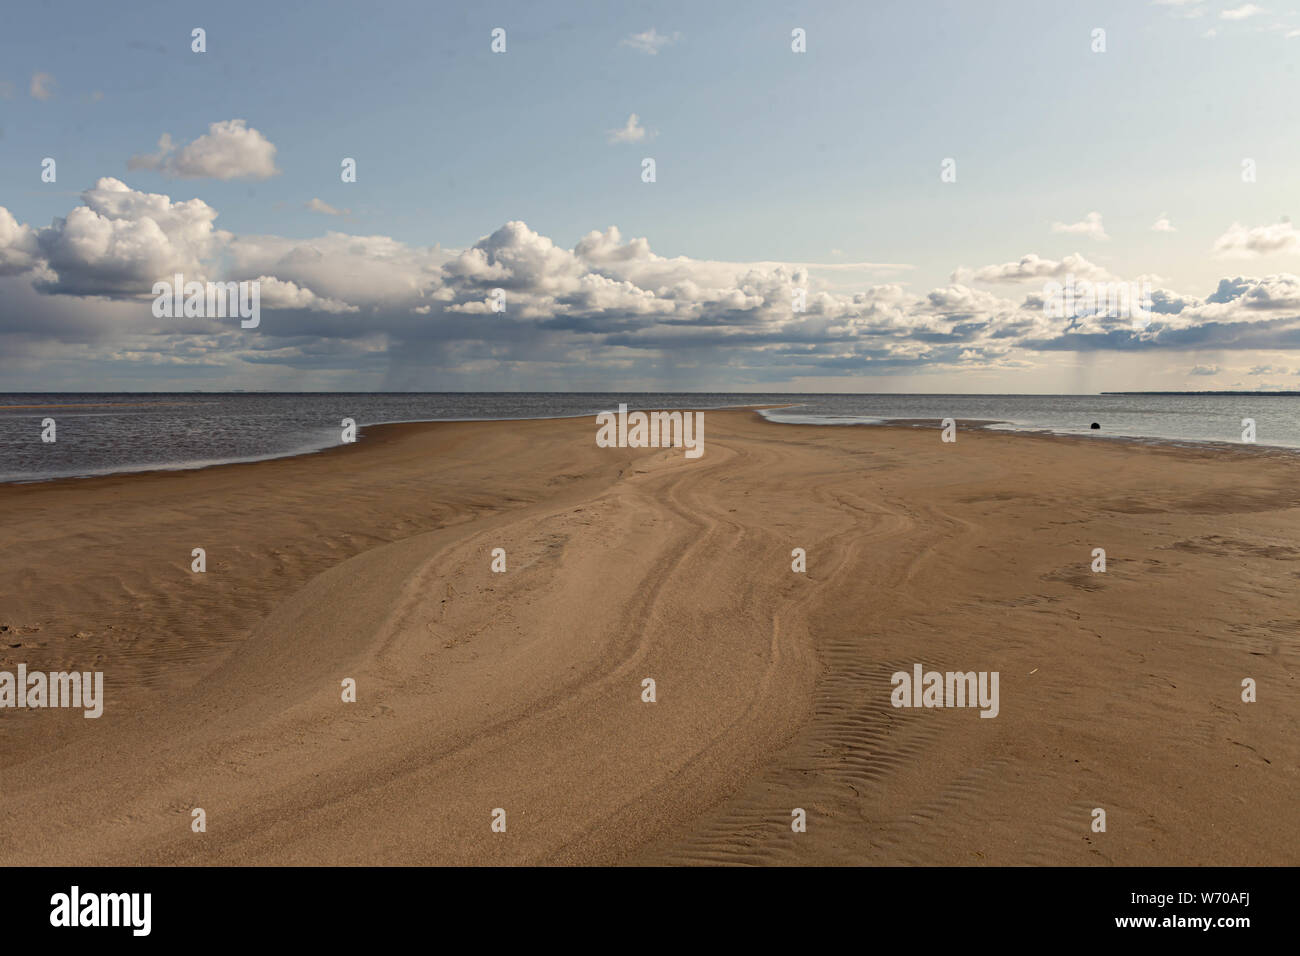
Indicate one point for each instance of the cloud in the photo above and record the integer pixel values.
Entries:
(1242, 12)
(279, 294)
(319, 205)
(1240, 242)
(1275, 292)
(1090, 226)
(1205, 370)
(1033, 267)
(1182, 9)
(650, 42)
(228, 150)
(377, 273)
(1163, 224)
(348, 302)
(121, 240)
(1164, 302)
(631, 132)
(19, 250)
(43, 86)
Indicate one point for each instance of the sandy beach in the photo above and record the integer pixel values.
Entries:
(523, 690)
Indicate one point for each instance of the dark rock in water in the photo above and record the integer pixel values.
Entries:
(1095, 425)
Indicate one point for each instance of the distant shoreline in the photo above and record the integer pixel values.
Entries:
(250, 428)
(971, 424)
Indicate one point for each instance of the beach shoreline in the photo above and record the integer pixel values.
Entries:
(318, 446)
(523, 690)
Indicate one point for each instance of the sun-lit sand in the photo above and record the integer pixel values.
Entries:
(523, 690)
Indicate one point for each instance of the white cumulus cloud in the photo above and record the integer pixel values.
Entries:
(230, 149)
(1089, 226)
(1241, 12)
(1240, 242)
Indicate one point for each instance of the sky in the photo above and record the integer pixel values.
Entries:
(885, 210)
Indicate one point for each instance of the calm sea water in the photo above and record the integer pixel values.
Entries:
(105, 433)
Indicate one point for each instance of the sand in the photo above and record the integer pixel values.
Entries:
(523, 690)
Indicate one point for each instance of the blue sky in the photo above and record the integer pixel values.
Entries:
(771, 161)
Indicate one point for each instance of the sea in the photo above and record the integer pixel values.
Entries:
(101, 433)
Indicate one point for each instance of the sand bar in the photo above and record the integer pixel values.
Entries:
(523, 690)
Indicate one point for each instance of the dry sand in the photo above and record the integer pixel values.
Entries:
(523, 690)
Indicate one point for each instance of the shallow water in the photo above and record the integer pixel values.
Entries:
(108, 433)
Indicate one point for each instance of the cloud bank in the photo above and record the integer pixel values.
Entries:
(516, 299)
